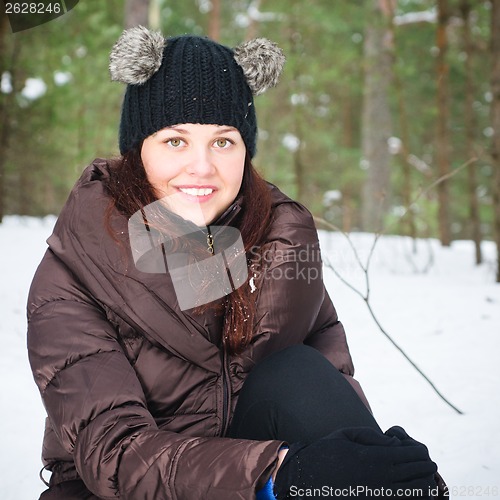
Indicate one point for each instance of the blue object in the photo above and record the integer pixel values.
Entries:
(266, 493)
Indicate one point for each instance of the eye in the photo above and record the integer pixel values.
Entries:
(223, 143)
(174, 142)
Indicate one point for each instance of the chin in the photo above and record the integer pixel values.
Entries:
(199, 219)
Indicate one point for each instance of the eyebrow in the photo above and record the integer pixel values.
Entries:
(226, 130)
(218, 131)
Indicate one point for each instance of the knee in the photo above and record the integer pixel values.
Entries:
(294, 367)
(297, 354)
(296, 361)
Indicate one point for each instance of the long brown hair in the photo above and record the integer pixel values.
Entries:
(130, 191)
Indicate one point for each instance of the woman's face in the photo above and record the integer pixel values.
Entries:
(195, 169)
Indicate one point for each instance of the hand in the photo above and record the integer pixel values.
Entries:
(400, 433)
(357, 457)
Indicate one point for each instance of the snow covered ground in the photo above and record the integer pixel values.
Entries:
(447, 319)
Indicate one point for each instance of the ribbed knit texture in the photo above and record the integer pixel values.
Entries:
(198, 82)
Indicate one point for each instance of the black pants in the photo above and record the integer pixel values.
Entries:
(297, 395)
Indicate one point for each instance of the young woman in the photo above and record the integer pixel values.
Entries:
(179, 329)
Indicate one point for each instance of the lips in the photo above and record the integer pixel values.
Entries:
(196, 191)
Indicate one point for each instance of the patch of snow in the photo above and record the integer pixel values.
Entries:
(6, 83)
(34, 88)
(425, 16)
(62, 77)
(291, 142)
(437, 305)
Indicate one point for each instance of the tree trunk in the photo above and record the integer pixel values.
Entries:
(252, 25)
(495, 120)
(410, 227)
(298, 164)
(443, 135)
(4, 124)
(136, 12)
(470, 128)
(348, 143)
(154, 15)
(376, 119)
(18, 190)
(297, 113)
(9, 56)
(214, 21)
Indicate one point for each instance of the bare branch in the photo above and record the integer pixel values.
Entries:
(423, 192)
(366, 267)
(389, 337)
(428, 380)
(419, 164)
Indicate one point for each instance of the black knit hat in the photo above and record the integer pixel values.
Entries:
(190, 79)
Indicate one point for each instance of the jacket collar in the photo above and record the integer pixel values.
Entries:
(107, 271)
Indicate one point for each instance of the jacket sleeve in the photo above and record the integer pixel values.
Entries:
(328, 336)
(98, 409)
(293, 300)
(288, 277)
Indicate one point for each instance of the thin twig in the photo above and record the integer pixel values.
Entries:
(393, 342)
(366, 267)
(432, 186)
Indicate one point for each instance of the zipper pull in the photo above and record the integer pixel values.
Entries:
(210, 241)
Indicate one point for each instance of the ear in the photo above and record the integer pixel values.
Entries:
(262, 62)
(136, 56)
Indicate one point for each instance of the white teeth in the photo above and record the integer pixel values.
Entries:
(197, 192)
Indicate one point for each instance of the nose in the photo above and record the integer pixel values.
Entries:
(200, 163)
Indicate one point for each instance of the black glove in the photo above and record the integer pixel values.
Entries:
(357, 458)
(400, 433)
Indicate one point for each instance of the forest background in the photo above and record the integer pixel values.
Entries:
(387, 117)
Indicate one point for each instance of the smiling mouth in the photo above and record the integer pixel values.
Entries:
(196, 191)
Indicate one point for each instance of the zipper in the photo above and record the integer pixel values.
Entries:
(210, 241)
(226, 393)
(226, 396)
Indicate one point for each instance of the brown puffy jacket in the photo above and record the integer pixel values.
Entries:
(138, 393)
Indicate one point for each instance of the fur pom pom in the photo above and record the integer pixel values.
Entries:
(136, 56)
(262, 62)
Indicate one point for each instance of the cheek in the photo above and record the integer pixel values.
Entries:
(237, 180)
(155, 176)
(155, 170)
(149, 165)
(235, 176)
